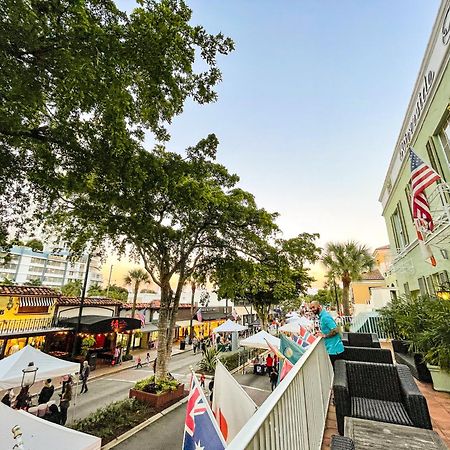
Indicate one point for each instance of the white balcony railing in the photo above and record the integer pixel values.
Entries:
(293, 416)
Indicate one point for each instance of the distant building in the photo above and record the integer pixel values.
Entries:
(53, 269)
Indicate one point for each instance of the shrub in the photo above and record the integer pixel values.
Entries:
(156, 387)
(231, 360)
(113, 420)
(126, 357)
(208, 363)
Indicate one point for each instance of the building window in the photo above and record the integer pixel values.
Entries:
(406, 288)
(33, 309)
(430, 285)
(408, 199)
(399, 228)
(444, 139)
(422, 286)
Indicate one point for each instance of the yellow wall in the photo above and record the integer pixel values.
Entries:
(9, 307)
(361, 290)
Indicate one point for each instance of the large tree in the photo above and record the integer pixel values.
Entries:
(347, 261)
(80, 84)
(135, 278)
(177, 213)
(275, 272)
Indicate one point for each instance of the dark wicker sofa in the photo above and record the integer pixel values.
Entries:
(368, 354)
(361, 340)
(341, 443)
(414, 361)
(381, 392)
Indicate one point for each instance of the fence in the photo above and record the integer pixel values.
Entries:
(14, 326)
(293, 416)
(372, 322)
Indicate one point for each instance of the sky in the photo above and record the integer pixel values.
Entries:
(311, 105)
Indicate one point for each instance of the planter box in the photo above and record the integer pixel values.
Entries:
(441, 378)
(158, 400)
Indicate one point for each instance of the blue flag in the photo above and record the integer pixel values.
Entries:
(201, 431)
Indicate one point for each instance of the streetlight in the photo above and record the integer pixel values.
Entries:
(29, 375)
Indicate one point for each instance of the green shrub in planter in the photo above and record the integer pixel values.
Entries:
(156, 387)
(231, 360)
(114, 419)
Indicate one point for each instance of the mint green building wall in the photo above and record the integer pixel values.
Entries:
(413, 266)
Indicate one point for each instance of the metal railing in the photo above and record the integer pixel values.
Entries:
(17, 325)
(293, 416)
(372, 322)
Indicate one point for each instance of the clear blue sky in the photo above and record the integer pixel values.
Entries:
(311, 104)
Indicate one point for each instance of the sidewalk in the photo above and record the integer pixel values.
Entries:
(108, 370)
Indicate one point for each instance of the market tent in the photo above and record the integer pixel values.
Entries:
(258, 340)
(229, 327)
(39, 434)
(294, 327)
(48, 367)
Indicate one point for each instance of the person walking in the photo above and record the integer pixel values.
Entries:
(139, 363)
(329, 331)
(116, 356)
(211, 390)
(202, 380)
(46, 392)
(85, 372)
(269, 363)
(273, 378)
(147, 359)
(64, 402)
(195, 344)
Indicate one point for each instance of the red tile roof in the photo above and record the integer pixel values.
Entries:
(374, 275)
(88, 301)
(156, 304)
(138, 305)
(28, 291)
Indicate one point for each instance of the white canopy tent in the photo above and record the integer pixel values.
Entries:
(229, 327)
(39, 434)
(294, 326)
(258, 340)
(11, 368)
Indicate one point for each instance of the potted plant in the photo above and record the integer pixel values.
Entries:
(157, 392)
(208, 363)
(86, 344)
(434, 342)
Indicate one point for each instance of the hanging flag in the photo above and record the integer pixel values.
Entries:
(232, 407)
(200, 427)
(199, 315)
(306, 338)
(290, 349)
(422, 176)
(284, 364)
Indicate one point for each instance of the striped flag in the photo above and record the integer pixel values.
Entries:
(422, 176)
(306, 338)
(285, 364)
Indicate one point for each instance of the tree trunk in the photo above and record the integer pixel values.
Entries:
(133, 310)
(261, 312)
(163, 331)
(191, 328)
(345, 295)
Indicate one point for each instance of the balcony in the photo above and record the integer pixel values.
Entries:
(27, 326)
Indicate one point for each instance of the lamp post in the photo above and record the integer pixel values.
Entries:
(29, 375)
(83, 294)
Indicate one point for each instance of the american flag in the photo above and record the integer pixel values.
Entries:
(422, 176)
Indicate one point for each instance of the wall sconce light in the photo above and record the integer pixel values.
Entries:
(444, 253)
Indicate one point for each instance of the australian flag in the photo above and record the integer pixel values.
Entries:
(200, 430)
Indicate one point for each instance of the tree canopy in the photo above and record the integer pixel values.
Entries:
(81, 83)
(275, 273)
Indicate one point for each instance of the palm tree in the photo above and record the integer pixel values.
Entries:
(347, 261)
(135, 277)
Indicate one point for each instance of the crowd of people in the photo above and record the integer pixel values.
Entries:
(53, 412)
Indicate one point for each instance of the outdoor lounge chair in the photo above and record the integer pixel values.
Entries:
(380, 392)
(361, 340)
(368, 354)
(341, 443)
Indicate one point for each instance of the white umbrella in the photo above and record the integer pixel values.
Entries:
(229, 327)
(259, 340)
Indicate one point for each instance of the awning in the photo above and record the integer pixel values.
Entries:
(37, 301)
(102, 324)
(187, 323)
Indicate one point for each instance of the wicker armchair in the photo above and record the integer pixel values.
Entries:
(341, 443)
(368, 354)
(381, 392)
(361, 340)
